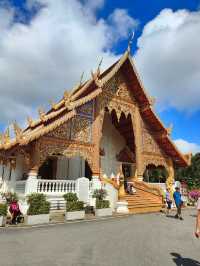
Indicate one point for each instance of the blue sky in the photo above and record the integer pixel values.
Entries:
(41, 41)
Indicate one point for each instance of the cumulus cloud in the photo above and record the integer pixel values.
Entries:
(40, 59)
(187, 147)
(168, 59)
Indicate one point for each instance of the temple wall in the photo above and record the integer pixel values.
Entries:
(70, 168)
(112, 143)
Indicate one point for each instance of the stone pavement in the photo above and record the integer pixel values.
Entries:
(136, 240)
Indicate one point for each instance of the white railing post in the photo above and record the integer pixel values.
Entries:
(82, 189)
(31, 183)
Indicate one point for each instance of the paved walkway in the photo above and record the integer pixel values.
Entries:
(137, 240)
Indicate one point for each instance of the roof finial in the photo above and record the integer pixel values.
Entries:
(17, 129)
(52, 103)
(41, 113)
(6, 136)
(81, 78)
(169, 129)
(30, 121)
(99, 66)
(130, 42)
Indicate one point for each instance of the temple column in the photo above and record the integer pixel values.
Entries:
(137, 129)
(31, 184)
(170, 179)
(96, 138)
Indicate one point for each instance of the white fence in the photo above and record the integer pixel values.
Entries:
(56, 186)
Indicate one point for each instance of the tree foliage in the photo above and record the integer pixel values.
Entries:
(155, 175)
(190, 174)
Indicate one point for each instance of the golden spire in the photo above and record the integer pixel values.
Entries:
(17, 130)
(130, 42)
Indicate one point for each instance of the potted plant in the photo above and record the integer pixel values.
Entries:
(102, 205)
(74, 207)
(39, 208)
(3, 213)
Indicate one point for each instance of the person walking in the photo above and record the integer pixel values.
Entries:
(197, 231)
(168, 202)
(178, 202)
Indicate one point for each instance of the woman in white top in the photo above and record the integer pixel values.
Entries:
(197, 232)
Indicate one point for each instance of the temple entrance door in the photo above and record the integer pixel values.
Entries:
(48, 169)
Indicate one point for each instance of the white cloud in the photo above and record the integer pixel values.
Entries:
(39, 60)
(187, 147)
(168, 59)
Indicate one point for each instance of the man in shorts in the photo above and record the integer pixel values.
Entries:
(197, 231)
(178, 202)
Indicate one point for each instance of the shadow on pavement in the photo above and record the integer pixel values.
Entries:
(181, 261)
(172, 216)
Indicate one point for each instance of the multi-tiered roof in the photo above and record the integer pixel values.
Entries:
(65, 109)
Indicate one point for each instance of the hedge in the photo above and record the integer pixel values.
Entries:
(38, 204)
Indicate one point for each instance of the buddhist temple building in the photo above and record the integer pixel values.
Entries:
(104, 129)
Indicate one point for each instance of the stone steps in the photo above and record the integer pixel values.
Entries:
(143, 201)
(57, 203)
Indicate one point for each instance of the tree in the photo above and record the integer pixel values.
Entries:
(155, 174)
(190, 174)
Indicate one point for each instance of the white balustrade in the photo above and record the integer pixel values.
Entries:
(56, 186)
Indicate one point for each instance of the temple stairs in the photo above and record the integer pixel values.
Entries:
(147, 198)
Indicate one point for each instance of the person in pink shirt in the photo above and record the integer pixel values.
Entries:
(197, 231)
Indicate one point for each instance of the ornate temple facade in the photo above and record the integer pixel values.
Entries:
(103, 128)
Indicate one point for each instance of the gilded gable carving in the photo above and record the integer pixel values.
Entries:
(117, 87)
(149, 144)
(117, 96)
(81, 129)
(78, 128)
(62, 131)
(86, 109)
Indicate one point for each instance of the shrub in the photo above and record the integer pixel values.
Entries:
(72, 203)
(99, 194)
(70, 196)
(74, 206)
(194, 194)
(38, 204)
(3, 209)
(102, 204)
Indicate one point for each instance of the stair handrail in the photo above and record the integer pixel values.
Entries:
(148, 188)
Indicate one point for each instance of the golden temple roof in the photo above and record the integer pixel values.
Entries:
(65, 109)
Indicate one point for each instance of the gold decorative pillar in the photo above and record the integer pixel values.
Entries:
(170, 179)
(137, 129)
(35, 160)
(96, 138)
